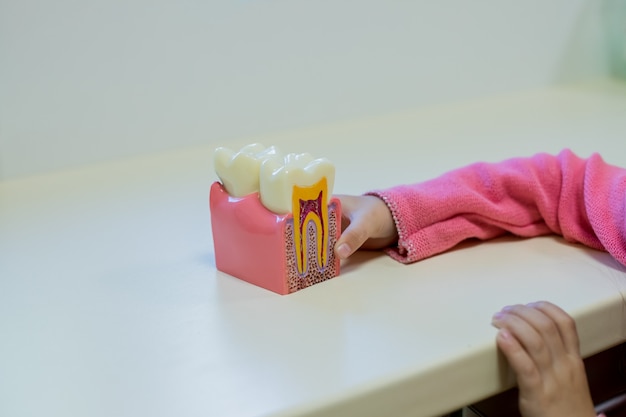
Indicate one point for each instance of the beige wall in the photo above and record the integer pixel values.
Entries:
(86, 81)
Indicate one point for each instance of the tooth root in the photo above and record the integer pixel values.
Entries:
(310, 204)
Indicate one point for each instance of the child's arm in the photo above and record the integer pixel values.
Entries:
(584, 200)
(540, 342)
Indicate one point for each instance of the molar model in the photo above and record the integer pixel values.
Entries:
(273, 219)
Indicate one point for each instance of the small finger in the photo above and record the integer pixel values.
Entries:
(515, 319)
(564, 322)
(526, 370)
(351, 239)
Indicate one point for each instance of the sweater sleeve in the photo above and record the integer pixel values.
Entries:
(583, 200)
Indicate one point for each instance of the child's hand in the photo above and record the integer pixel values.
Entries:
(541, 344)
(366, 222)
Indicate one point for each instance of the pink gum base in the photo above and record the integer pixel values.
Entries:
(250, 240)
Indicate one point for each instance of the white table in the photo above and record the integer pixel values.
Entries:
(110, 303)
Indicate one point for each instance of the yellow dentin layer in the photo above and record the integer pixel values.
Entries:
(310, 204)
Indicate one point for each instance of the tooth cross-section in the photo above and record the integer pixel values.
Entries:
(310, 204)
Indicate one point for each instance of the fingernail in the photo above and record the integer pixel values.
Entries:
(504, 334)
(343, 251)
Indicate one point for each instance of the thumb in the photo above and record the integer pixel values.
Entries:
(352, 238)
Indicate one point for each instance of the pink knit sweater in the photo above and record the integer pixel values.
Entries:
(583, 200)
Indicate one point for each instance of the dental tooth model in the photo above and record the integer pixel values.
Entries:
(273, 218)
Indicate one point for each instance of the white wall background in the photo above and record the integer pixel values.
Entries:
(86, 81)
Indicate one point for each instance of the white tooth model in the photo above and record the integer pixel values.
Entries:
(280, 175)
(239, 172)
(273, 217)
